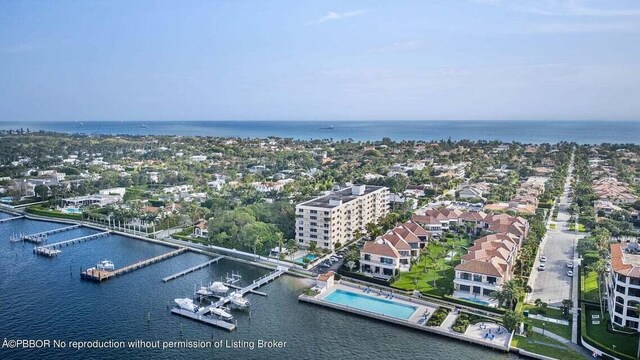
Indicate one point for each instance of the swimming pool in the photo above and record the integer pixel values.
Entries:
(71, 210)
(310, 257)
(477, 301)
(369, 303)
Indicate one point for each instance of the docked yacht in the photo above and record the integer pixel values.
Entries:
(203, 291)
(221, 313)
(237, 300)
(187, 304)
(105, 265)
(218, 287)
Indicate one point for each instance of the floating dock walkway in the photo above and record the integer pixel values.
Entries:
(256, 284)
(240, 288)
(49, 232)
(94, 274)
(78, 240)
(200, 316)
(11, 218)
(191, 269)
(50, 250)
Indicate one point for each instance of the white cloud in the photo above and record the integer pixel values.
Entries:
(334, 16)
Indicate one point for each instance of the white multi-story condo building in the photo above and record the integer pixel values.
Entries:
(333, 218)
(623, 285)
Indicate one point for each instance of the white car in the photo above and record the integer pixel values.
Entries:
(543, 258)
(570, 273)
(541, 267)
(570, 265)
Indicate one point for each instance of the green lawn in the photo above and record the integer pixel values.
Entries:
(432, 267)
(590, 286)
(539, 344)
(625, 344)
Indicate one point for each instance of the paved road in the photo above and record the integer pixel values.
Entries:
(553, 284)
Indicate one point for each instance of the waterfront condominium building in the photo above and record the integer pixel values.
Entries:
(623, 284)
(333, 218)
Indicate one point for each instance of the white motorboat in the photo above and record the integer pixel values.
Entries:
(237, 300)
(203, 291)
(187, 304)
(221, 313)
(218, 287)
(105, 265)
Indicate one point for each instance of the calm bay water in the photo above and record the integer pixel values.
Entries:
(42, 298)
(582, 132)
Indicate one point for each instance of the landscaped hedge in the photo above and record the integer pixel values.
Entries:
(473, 305)
(354, 275)
(438, 316)
(56, 214)
(464, 320)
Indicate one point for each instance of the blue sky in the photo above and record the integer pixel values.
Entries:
(319, 60)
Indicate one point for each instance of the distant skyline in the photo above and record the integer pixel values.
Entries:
(323, 60)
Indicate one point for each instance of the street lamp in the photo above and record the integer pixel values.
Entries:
(543, 328)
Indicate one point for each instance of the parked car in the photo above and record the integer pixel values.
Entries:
(543, 258)
(570, 265)
(570, 273)
(541, 267)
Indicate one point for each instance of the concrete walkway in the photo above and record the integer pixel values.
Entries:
(562, 340)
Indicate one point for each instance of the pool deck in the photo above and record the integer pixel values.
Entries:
(416, 321)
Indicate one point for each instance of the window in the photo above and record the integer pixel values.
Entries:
(326, 244)
(622, 278)
(314, 224)
(619, 309)
(476, 289)
(491, 279)
(465, 276)
(618, 320)
(300, 240)
(621, 289)
(300, 234)
(620, 300)
(313, 230)
(465, 288)
(633, 292)
(477, 278)
(326, 231)
(326, 225)
(313, 217)
(313, 236)
(300, 228)
(313, 211)
(367, 257)
(326, 213)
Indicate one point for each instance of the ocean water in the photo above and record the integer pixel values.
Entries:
(43, 298)
(582, 132)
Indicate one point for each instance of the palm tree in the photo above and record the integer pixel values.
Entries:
(510, 293)
(600, 267)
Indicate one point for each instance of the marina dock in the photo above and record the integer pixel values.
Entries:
(199, 316)
(78, 240)
(256, 284)
(38, 237)
(94, 274)
(191, 269)
(50, 250)
(240, 288)
(11, 218)
(45, 251)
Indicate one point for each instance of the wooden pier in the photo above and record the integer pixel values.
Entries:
(94, 274)
(11, 218)
(191, 269)
(200, 316)
(49, 232)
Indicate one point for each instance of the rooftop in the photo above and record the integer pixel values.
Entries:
(342, 196)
